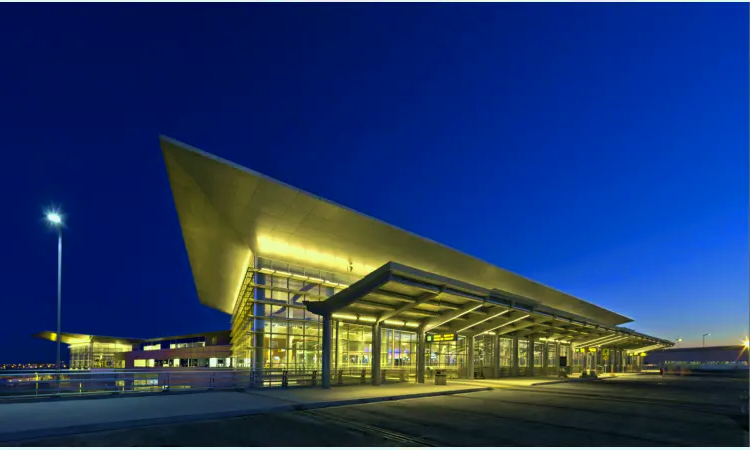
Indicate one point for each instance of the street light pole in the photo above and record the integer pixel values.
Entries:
(704, 338)
(56, 220)
(59, 297)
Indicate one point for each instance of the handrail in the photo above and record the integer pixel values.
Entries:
(69, 383)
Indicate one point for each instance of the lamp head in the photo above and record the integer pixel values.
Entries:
(54, 218)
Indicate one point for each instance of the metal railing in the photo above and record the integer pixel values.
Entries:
(43, 384)
(346, 376)
(24, 385)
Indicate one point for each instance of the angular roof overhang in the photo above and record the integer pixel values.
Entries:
(407, 298)
(75, 338)
(228, 214)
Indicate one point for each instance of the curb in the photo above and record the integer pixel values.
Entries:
(573, 380)
(176, 420)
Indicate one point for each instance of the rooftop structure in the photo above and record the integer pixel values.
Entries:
(313, 284)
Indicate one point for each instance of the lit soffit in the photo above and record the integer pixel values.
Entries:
(229, 213)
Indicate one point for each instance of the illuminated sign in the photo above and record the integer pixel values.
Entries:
(586, 350)
(447, 337)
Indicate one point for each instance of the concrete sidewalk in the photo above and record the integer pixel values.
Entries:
(20, 421)
(509, 381)
(536, 381)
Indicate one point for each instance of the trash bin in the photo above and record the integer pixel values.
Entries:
(441, 379)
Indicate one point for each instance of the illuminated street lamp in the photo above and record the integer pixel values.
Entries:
(55, 219)
(704, 338)
(678, 340)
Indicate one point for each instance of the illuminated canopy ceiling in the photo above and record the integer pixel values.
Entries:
(228, 214)
(406, 298)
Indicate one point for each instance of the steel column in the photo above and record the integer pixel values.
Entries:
(421, 351)
(530, 360)
(326, 351)
(376, 345)
(470, 358)
(496, 356)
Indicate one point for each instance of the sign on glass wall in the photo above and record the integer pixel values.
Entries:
(447, 337)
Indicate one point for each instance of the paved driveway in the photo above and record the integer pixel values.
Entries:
(641, 412)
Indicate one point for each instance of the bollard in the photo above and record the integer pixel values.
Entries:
(383, 375)
(363, 377)
(285, 378)
(314, 381)
(340, 380)
(402, 375)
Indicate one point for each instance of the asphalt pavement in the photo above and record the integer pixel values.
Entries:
(630, 411)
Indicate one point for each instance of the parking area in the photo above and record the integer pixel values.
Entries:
(632, 411)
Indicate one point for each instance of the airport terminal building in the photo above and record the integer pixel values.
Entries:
(310, 284)
(193, 351)
(314, 286)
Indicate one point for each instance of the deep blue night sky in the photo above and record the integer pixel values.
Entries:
(599, 149)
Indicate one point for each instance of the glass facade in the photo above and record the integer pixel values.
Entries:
(523, 353)
(184, 362)
(354, 346)
(506, 352)
(96, 355)
(272, 330)
(538, 354)
(447, 356)
(271, 327)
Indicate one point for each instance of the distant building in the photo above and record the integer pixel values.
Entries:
(102, 352)
(725, 355)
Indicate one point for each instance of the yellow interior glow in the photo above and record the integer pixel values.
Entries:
(284, 251)
(344, 316)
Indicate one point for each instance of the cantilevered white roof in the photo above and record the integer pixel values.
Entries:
(229, 214)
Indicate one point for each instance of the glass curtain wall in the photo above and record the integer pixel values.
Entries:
(565, 351)
(271, 328)
(398, 350)
(538, 354)
(578, 359)
(523, 356)
(80, 356)
(354, 347)
(96, 355)
(447, 356)
(484, 355)
(506, 356)
(552, 364)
